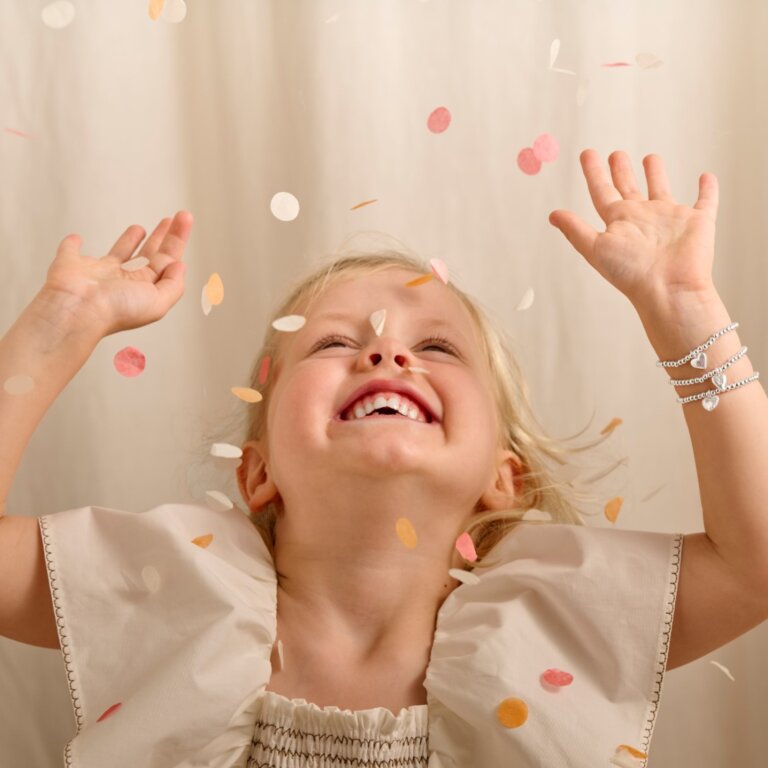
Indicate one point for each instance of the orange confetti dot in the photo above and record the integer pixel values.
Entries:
(214, 289)
(632, 751)
(247, 394)
(406, 532)
(360, 205)
(108, 712)
(264, 369)
(155, 9)
(420, 280)
(512, 713)
(203, 541)
(611, 425)
(439, 120)
(129, 361)
(613, 507)
(466, 547)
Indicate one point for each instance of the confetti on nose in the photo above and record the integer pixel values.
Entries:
(512, 713)
(439, 120)
(151, 578)
(289, 323)
(377, 319)
(264, 369)
(526, 301)
(360, 205)
(627, 757)
(226, 451)
(203, 541)
(546, 148)
(247, 394)
(406, 532)
(129, 361)
(110, 711)
(466, 547)
(155, 9)
(440, 269)
(724, 669)
(611, 425)
(466, 577)
(58, 15)
(134, 265)
(555, 679)
(284, 206)
(214, 289)
(218, 501)
(527, 162)
(612, 508)
(420, 280)
(19, 384)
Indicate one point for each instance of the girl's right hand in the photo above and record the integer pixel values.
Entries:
(106, 297)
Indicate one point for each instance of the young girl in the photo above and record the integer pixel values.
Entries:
(358, 623)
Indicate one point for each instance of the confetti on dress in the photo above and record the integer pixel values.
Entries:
(214, 290)
(546, 148)
(135, 264)
(420, 280)
(284, 206)
(612, 509)
(247, 394)
(129, 361)
(439, 120)
(264, 369)
(289, 323)
(724, 669)
(360, 205)
(203, 541)
(377, 319)
(466, 547)
(627, 757)
(58, 15)
(512, 713)
(406, 532)
(465, 577)
(151, 578)
(555, 679)
(226, 451)
(440, 269)
(20, 384)
(108, 712)
(218, 501)
(526, 301)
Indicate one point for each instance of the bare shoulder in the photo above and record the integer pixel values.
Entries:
(714, 604)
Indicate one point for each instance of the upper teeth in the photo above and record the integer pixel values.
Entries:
(400, 403)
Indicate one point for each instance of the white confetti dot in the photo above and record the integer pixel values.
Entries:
(151, 578)
(174, 11)
(466, 577)
(284, 206)
(225, 451)
(377, 319)
(58, 15)
(207, 306)
(218, 501)
(289, 323)
(19, 384)
(132, 265)
(526, 301)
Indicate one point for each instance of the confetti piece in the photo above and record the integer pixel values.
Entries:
(554, 50)
(206, 305)
(612, 508)
(247, 394)
(58, 15)
(175, 11)
(526, 301)
(264, 369)
(466, 547)
(618, 64)
(129, 361)
(648, 61)
(226, 451)
(555, 679)
(627, 757)
(155, 9)
(724, 669)
(611, 425)
(406, 532)
(467, 577)
(527, 162)
(440, 269)
(214, 289)
(546, 148)
(360, 205)
(151, 578)
(280, 653)
(108, 712)
(439, 120)
(218, 501)
(377, 319)
(512, 713)
(652, 493)
(203, 541)
(420, 280)
(135, 264)
(18, 133)
(416, 369)
(284, 206)
(19, 384)
(289, 323)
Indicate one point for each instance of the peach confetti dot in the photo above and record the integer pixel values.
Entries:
(284, 206)
(175, 11)
(527, 161)
(420, 280)
(226, 451)
(466, 577)
(439, 120)
(206, 305)
(406, 532)
(155, 9)
(289, 323)
(612, 508)
(129, 361)
(556, 678)
(526, 301)
(214, 289)
(377, 319)
(466, 547)
(19, 384)
(151, 578)
(627, 757)
(203, 541)
(360, 205)
(247, 394)
(135, 264)
(264, 368)
(512, 713)
(546, 148)
(218, 501)
(611, 425)
(108, 712)
(440, 269)
(58, 15)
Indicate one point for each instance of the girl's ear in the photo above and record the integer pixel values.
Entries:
(505, 486)
(256, 487)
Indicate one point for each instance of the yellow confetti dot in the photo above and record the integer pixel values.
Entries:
(420, 280)
(214, 289)
(247, 394)
(155, 9)
(203, 541)
(632, 751)
(613, 507)
(406, 532)
(611, 425)
(512, 713)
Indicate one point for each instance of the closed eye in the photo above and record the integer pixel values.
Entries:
(438, 342)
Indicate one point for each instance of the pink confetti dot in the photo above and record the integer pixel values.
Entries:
(556, 677)
(546, 148)
(527, 162)
(264, 369)
(466, 547)
(129, 361)
(439, 120)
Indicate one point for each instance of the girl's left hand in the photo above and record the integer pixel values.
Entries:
(655, 251)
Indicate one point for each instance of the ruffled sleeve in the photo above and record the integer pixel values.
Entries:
(596, 603)
(166, 620)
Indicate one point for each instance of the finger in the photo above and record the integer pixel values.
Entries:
(170, 286)
(601, 190)
(172, 246)
(150, 248)
(126, 244)
(709, 194)
(623, 176)
(579, 234)
(656, 176)
(69, 246)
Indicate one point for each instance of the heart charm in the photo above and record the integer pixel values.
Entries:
(710, 403)
(700, 361)
(719, 380)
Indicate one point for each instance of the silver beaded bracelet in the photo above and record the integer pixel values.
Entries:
(698, 359)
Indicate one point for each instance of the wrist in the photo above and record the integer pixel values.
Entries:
(66, 315)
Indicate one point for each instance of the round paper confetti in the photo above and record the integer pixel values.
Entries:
(19, 384)
(612, 508)
(289, 323)
(155, 9)
(439, 120)
(526, 301)
(264, 369)
(214, 289)
(512, 713)
(175, 11)
(284, 206)
(206, 305)
(226, 451)
(377, 319)
(129, 361)
(151, 578)
(108, 712)
(527, 162)
(467, 577)
(247, 394)
(218, 501)
(439, 268)
(203, 541)
(466, 547)
(556, 678)
(58, 15)
(135, 264)
(406, 532)
(546, 148)
(420, 280)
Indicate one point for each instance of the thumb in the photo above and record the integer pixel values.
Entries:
(578, 233)
(170, 286)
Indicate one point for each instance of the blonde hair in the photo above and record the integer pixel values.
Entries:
(536, 485)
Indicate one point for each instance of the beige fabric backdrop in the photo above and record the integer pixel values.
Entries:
(128, 120)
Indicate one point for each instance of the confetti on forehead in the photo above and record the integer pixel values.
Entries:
(377, 319)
